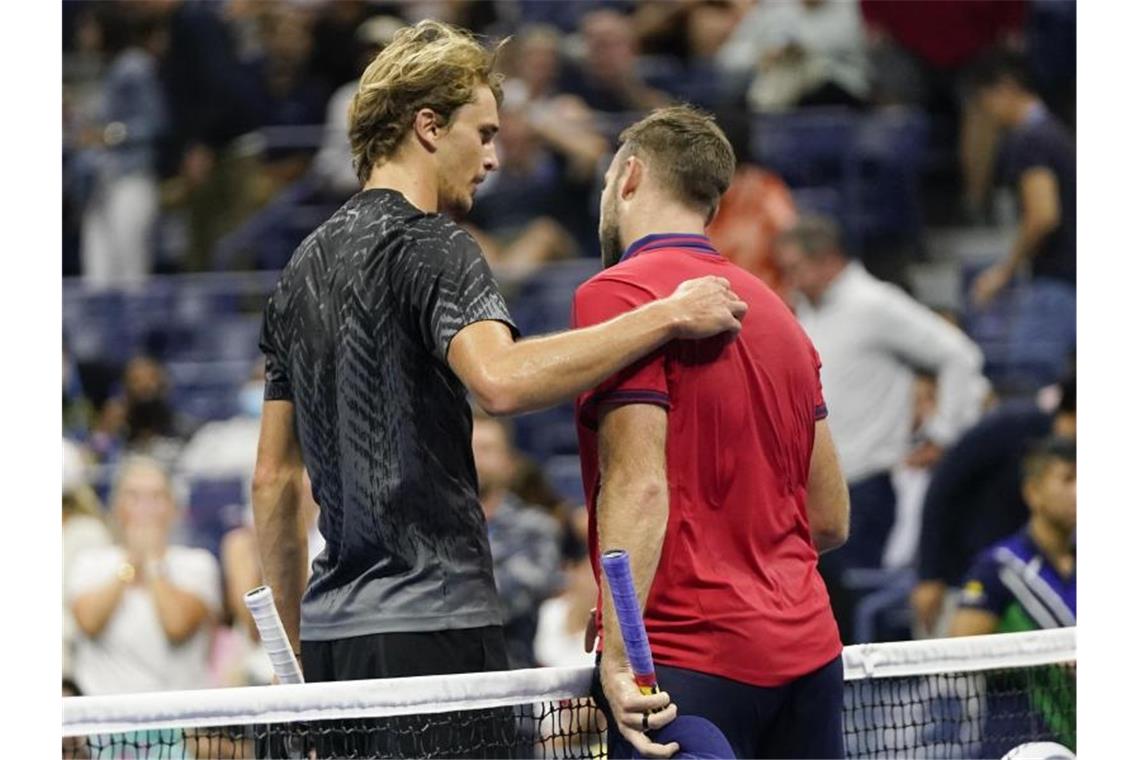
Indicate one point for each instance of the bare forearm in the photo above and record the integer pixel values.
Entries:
(94, 609)
(282, 546)
(632, 517)
(546, 370)
(1030, 235)
(180, 612)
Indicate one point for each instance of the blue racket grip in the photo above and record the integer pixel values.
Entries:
(615, 564)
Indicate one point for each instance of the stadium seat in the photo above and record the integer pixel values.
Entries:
(565, 475)
(216, 505)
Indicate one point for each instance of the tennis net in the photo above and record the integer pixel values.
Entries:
(948, 698)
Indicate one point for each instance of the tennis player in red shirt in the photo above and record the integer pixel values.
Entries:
(710, 462)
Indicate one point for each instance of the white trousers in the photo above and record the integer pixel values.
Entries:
(117, 232)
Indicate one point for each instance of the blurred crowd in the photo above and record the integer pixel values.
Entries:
(203, 136)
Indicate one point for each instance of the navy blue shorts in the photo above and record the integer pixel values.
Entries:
(801, 719)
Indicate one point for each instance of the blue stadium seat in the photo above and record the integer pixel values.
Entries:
(548, 433)
(216, 505)
(1027, 334)
(882, 176)
(564, 472)
(808, 147)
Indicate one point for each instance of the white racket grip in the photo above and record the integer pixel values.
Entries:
(273, 638)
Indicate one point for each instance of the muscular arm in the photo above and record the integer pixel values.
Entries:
(828, 501)
(510, 377)
(277, 514)
(633, 512)
(633, 501)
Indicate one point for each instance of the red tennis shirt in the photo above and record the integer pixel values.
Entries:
(737, 593)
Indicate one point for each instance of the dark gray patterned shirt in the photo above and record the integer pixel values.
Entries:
(356, 336)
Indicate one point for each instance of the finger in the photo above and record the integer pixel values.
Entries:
(646, 747)
(635, 701)
(738, 308)
(636, 719)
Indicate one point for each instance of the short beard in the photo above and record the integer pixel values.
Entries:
(609, 237)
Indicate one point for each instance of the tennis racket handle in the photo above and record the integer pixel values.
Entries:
(616, 566)
(273, 636)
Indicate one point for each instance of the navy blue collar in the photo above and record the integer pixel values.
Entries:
(695, 243)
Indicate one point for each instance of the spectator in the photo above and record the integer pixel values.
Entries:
(144, 608)
(517, 215)
(561, 635)
(83, 530)
(802, 53)
(757, 208)
(919, 53)
(118, 168)
(872, 338)
(524, 540)
(214, 77)
(333, 164)
(975, 496)
(152, 428)
(684, 39)
(608, 79)
(1028, 581)
(1041, 162)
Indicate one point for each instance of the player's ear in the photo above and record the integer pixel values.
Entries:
(632, 176)
(427, 129)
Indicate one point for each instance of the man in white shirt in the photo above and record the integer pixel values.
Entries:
(872, 338)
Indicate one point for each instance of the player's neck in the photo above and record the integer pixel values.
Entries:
(667, 219)
(413, 181)
(1054, 543)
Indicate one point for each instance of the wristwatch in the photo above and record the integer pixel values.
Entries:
(127, 572)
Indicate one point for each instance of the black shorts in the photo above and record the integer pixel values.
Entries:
(397, 655)
(477, 733)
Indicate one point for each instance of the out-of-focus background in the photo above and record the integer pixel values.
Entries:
(204, 140)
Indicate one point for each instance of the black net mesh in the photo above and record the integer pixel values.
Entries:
(945, 715)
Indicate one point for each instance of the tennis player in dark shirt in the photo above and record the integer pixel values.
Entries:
(382, 322)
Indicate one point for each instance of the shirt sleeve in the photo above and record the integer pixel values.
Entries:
(451, 287)
(982, 588)
(1027, 152)
(277, 384)
(91, 569)
(923, 340)
(642, 382)
(820, 404)
(195, 571)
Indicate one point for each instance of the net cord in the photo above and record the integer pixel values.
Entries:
(83, 716)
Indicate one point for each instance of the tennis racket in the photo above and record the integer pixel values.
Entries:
(615, 564)
(273, 638)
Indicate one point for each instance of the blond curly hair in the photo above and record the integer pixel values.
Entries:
(429, 65)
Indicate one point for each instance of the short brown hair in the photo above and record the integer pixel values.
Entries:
(816, 235)
(429, 65)
(688, 154)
